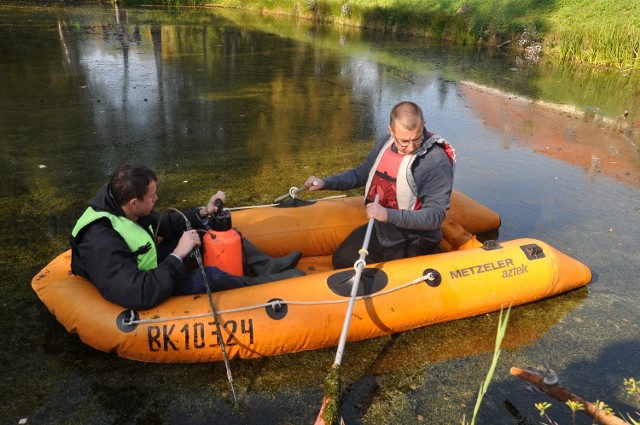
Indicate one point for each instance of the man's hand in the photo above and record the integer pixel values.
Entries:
(211, 205)
(377, 211)
(188, 241)
(314, 183)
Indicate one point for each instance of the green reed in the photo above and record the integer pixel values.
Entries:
(617, 47)
(502, 330)
(601, 33)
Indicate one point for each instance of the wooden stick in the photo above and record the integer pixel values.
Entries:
(562, 394)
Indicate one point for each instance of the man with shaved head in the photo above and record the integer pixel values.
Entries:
(411, 169)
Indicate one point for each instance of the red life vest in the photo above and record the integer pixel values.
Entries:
(391, 176)
(384, 181)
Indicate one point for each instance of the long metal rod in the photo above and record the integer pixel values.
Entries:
(196, 254)
(198, 257)
(359, 265)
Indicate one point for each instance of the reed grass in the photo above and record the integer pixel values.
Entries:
(617, 47)
(502, 330)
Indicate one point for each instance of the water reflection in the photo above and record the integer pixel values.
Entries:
(252, 105)
(469, 338)
(130, 94)
(584, 139)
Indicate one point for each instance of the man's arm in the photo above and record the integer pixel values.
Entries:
(113, 269)
(358, 176)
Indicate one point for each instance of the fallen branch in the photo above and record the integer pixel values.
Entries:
(562, 394)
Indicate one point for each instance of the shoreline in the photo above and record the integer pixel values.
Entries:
(603, 37)
(560, 131)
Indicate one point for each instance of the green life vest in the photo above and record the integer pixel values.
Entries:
(136, 237)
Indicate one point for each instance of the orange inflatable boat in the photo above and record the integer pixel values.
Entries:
(306, 313)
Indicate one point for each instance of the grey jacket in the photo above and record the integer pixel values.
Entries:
(433, 174)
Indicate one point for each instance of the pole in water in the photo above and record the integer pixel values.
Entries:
(217, 324)
(359, 266)
(329, 404)
(198, 257)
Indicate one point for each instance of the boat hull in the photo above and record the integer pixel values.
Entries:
(311, 309)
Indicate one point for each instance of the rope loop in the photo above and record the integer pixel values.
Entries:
(359, 262)
(276, 305)
(132, 318)
(293, 191)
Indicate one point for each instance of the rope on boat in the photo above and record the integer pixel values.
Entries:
(278, 304)
(326, 198)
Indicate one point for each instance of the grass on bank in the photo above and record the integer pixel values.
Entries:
(596, 32)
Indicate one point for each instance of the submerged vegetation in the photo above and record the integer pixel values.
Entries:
(598, 32)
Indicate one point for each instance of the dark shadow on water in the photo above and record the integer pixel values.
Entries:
(404, 357)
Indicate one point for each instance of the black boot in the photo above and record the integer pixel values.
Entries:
(287, 274)
(260, 263)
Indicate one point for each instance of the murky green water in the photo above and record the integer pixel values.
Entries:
(253, 105)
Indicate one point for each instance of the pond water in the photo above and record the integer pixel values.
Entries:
(214, 99)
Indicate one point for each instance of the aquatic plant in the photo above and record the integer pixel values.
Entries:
(502, 329)
(542, 408)
(631, 385)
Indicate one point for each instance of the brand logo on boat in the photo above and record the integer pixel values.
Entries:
(196, 336)
(507, 263)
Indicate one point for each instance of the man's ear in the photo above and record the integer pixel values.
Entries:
(132, 203)
(130, 209)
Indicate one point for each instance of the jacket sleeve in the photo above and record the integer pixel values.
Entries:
(434, 179)
(111, 266)
(358, 176)
(171, 224)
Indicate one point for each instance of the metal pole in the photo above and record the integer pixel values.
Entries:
(359, 265)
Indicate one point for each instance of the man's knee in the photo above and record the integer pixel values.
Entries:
(220, 280)
(340, 262)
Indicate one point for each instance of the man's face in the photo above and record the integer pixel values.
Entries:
(406, 141)
(144, 206)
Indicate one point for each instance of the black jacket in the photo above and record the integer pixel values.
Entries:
(102, 256)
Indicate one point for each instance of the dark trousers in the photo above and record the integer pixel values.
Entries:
(193, 282)
(347, 253)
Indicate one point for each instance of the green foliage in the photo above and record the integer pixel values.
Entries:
(617, 47)
(502, 329)
(542, 407)
(631, 385)
(601, 33)
(575, 407)
(601, 405)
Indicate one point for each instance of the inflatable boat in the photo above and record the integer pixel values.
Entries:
(304, 313)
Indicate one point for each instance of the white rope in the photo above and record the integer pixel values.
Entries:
(279, 303)
(249, 207)
(359, 263)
